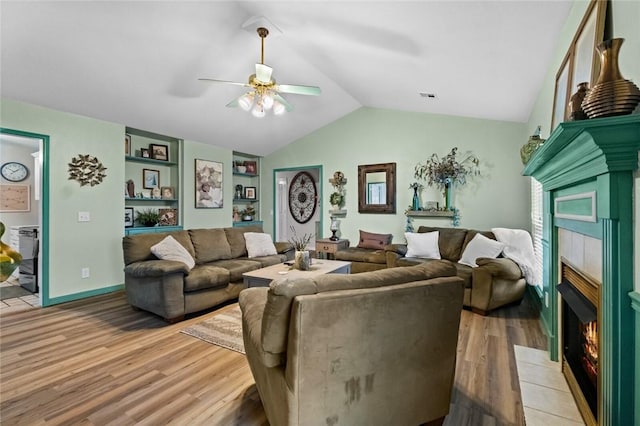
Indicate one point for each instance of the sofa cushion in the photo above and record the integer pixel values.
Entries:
(450, 241)
(355, 254)
(235, 237)
(137, 247)
(206, 277)
(480, 246)
(267, 260)
(237, 267)
(170, 249)
(210, 244)
(370, 240)
(472, 233)
(424, 245)
(465, 272)
(275, 324)
(259, 244)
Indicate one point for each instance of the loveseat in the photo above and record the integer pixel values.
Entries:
(368, 255)
(493, 283)
(170, 289)
(376, 348)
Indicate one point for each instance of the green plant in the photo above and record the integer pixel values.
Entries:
(299, 243)
(445, 171)
(248, 211)
(336, 199)
(148, 217)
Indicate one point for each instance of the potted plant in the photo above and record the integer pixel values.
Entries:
(248, 213)
(302, 260)
(148, 217)
(336, 199)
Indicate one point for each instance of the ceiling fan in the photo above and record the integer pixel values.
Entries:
(265, 93)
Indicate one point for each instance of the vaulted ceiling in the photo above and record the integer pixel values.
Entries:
(138, 62)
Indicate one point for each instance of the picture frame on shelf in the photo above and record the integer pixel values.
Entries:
(127, 144)
(159, 152)
(150, 178)
(431, 205)
(128, 217)
(144, 153)
(208, 184)
(168, 193)
(561, 96)
(168, 217)
(155, 193)
(252, 167)
(250, 192)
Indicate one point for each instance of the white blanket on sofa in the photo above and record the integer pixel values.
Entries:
(519, 248)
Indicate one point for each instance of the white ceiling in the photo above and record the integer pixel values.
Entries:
(137, 62)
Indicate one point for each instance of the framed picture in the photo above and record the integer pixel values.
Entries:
(250, 192)
(581, 63)
(252, 167)
(159, 152)
(15, 198)
(144, 152)
(128, 217)
(127, 144)
(431, 205)
(167, 193)
(208, 184)
(155, 193)
(168, 217)
(150, 178)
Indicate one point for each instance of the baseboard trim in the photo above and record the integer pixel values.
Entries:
(82, 295)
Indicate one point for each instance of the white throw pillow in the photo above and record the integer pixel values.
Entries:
(259, 244)
(480, 246)
(423, 245)
(170, 249)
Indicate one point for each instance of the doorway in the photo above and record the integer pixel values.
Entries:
(32, 151)
(298, 189)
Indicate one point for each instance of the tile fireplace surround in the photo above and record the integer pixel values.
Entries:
(586, 170)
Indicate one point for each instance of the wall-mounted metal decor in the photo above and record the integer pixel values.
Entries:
(87, 170)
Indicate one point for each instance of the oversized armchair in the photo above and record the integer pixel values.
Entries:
(376, 348)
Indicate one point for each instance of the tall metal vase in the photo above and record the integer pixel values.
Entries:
(612, 94)
(416, 200)
(447, 196)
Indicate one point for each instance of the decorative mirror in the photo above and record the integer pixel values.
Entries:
(377, 188)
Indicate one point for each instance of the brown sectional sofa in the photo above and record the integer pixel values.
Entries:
(494, 283)
(169, 289)
(304, 343)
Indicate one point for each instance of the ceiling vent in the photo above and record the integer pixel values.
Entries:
(426, 95)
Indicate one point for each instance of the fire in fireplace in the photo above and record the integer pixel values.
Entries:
(580, 344)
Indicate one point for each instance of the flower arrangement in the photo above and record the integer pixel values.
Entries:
(299, 243)
(445, 171)
(416, 186)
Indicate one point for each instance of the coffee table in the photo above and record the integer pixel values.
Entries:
(263, 277)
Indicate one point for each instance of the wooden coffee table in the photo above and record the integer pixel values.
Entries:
(263, 277)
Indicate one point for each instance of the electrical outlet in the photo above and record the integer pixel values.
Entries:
(84, 217)
(546, 299)
(84, 272)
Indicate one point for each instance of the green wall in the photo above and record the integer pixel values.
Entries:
(370, 136)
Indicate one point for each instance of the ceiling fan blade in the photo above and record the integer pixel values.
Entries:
(298, 90)
(226, 82)
(287, 106)
(263, 73)
(233, 103)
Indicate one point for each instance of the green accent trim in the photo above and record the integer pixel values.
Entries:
(635, 305)
(635, 302)
(85, 294)
(535, 293)
(590, 229)
(44, 206)
(576, 206)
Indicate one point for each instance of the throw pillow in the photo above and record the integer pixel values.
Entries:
(259, 244)
(170, 249)
(370, 240)
(423, 245)
(480, 246)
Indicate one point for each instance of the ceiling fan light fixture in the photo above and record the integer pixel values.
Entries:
(267, 100)
(278, 108)
(258, 110)
(246, 101)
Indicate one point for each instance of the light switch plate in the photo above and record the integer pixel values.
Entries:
(84, 217)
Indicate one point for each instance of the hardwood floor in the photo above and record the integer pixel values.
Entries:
(98, 362)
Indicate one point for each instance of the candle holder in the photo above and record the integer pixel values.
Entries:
(334, 227)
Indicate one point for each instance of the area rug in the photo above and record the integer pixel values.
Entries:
(13, 291)
(223, 329)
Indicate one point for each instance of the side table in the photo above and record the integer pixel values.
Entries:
(327, 248)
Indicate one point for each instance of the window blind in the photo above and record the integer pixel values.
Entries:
(536, 225)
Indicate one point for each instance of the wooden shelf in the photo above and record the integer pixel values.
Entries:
(341, 212)
(428, 213)
(149, 160)
(245, 200)
(168, 200)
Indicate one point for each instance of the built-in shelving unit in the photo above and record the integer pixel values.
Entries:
(246, 188)
(156, 181)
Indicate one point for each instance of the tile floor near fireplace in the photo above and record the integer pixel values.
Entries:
(546, 398)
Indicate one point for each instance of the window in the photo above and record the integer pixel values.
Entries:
(536, 226)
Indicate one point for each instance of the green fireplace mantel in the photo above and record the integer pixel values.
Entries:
(579, 150)
(587, 165)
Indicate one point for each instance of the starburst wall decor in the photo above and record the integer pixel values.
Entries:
(87, 170)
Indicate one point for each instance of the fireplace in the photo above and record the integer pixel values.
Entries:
(580, 297)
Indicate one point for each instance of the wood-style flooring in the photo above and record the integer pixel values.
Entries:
(98, 362)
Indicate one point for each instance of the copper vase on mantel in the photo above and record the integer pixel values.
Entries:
(612, 94)
(574, 109)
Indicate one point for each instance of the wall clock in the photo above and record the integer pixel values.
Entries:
(302, 197)
(14, 172)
